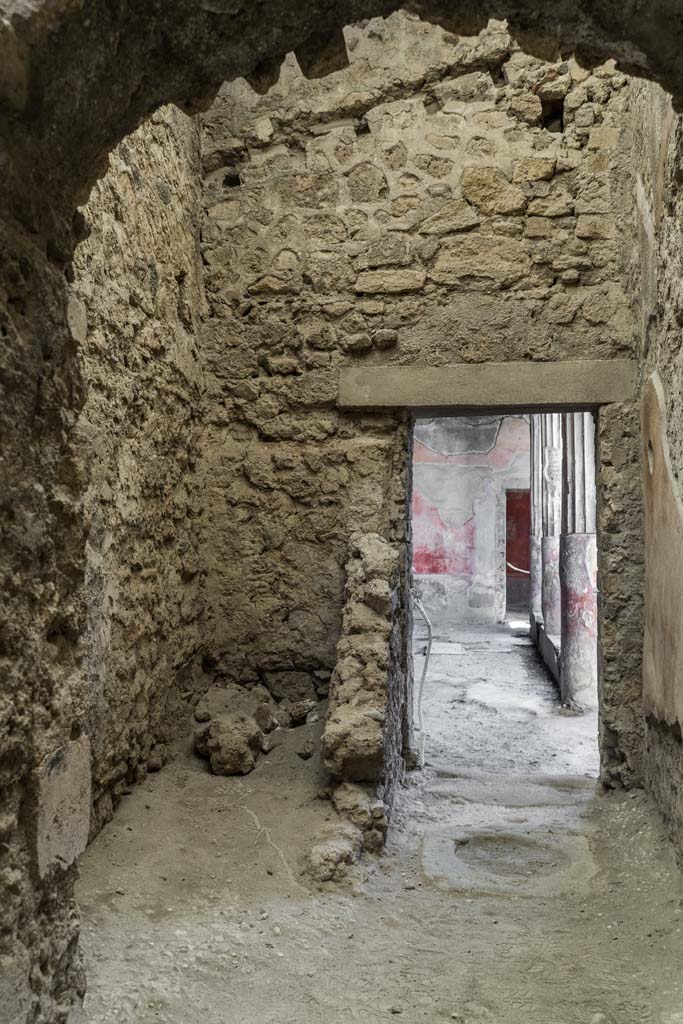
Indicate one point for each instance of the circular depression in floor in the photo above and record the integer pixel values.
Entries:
(509, 856)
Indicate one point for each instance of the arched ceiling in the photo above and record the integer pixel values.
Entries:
(76, 76)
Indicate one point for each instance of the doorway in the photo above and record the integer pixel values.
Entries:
(504, 566)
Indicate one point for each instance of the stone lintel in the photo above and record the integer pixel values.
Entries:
(528, 386)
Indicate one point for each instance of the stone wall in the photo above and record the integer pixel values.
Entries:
(462, 468)
(440, 200)
(656, 158)
(369, 689)
(110, 497)
(54, 138)
(134, 307)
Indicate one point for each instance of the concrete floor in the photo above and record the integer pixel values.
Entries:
(512, 890)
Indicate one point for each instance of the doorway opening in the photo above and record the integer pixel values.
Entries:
(517, 548)
(504, 569)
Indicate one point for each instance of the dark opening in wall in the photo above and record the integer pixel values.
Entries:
(552, 117)
(232, 178)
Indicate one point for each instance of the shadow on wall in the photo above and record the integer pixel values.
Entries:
(462, 469)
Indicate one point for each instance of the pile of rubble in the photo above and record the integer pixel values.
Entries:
(235, 724)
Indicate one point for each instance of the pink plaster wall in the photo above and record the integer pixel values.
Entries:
(461, 469)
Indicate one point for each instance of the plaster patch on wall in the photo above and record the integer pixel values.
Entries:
(63, 797)
(663, 645)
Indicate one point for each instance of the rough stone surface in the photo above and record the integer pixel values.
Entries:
(98, 562)
(651, 151)
(54, 144)
(369, 697)
(231, 744)
(488, 189)
(341, 240)
(359, 806)
(63, 806)
(138, 296)
(337, 848)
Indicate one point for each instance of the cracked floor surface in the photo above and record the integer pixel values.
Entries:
(512, 890)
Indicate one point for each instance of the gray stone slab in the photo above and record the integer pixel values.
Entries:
(514, 385)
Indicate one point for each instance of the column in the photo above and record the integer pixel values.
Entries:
(536, 496)
(551, 449)
(579, 562)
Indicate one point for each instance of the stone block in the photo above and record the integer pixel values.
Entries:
(335, 851)
(553, 89)
(393, 281)
(231, 744)
(527, 107)
(594, 226)
(63, 791)
(436, 166)
(301, 709)
(384, 339)
(526, 383)
(603, 136)
(353, 745)
(388, 250)
(502, 261)
(77, 319)
(378, 557)
(555, 205)
(537, 227)
(367, 183)
(540, 168)
(585, 116)
(263, 129)
(490, 191)
(360, 342)
(562, 307)
(456, 215)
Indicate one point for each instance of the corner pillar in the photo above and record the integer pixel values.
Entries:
(536, 556)
(578, 562)
(551, 477)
